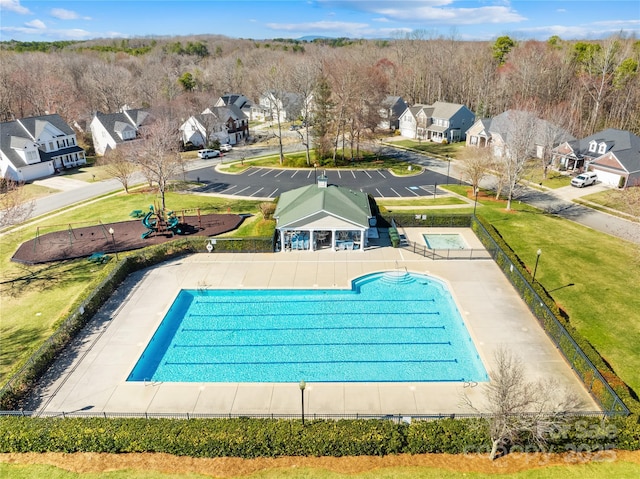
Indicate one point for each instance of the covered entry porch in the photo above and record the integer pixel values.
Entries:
(319, 239)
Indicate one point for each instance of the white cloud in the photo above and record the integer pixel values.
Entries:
(64, 14)
(14, 6)
(323, 26)
(37, 24)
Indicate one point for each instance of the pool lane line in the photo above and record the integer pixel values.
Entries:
(275, 345)
(350, 361)
(329, 328)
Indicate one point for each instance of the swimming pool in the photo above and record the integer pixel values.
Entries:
(390, 327)
(445, 241)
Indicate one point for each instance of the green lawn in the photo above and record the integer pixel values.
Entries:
(435, 149)
(595, 470)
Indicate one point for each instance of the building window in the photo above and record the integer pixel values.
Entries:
(602, 148)
(51, 146)
(32, 155)
(592, 146)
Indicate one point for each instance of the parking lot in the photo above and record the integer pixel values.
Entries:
(271, 182)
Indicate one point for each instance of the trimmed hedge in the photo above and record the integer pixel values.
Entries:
(248, 438)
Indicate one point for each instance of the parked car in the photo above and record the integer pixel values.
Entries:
(206, 154)
(225, 147)
(584, 179)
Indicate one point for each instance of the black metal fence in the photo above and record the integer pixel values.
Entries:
(396, 417)
(593, 380)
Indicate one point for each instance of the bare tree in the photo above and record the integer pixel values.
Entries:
(14, 205)
(517, 408)
(476, 165)
(518, 148)
(120, 164)
(159, 157)
(303, 83)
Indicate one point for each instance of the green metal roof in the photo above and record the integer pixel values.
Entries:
(306, 202)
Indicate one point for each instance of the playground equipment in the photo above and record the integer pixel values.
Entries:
(157, 221)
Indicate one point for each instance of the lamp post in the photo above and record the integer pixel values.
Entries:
(475, 203)
(302, 385)
(113, 239)
(448, 167)
(535, 268)
(315, 173)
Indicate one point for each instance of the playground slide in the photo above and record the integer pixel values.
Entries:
(150, 225)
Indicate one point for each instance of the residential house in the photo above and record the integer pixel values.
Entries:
(281, 106)
(391, 109)
(245, 105)
(226, 124)
(613, 154)
(318, 217)
(35, 147)
(440, 122)
(494, 132)
(112, 129)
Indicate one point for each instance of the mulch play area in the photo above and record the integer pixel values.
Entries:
(97, 243)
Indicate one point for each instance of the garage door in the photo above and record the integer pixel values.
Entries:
(608, 178)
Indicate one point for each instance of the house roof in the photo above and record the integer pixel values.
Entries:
(623, 144)
(115, 122)
(302, 203)
(445, 110)
(12, 135)
(501, 124)
(20, 133)
(36, 124)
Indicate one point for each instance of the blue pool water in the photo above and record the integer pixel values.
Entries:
(445, 241)
(391, 326)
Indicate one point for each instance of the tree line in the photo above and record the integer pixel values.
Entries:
(580, 86)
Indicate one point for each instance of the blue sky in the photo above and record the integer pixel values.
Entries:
(48, 20)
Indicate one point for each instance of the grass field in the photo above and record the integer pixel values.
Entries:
(618, 464)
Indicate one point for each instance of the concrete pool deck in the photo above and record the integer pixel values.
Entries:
(91, 375)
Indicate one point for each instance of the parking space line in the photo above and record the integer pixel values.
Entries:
(367, 173)
(395, 192)
(353, 173)
(408, 188)
(379, 194)
(273, 193)
(255, 171)
(339, 174)
(268, 171)
(228, 189)
(427, 189)
(243, 189)
(255, 193)
(381, 174)
(279, 173)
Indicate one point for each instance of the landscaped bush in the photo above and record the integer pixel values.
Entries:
(248, 438)
(394, 237)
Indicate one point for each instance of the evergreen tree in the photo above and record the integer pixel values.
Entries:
(322, 119)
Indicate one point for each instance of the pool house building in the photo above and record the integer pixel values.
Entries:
(322, 216)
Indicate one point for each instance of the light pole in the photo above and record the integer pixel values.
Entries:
(475, 203)
(302, 385)
(448, 167)
(535, 268)
(113, 239)
(315, 173)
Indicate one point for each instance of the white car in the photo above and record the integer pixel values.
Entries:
(225, 147)
(584, 179)
(205, 154)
